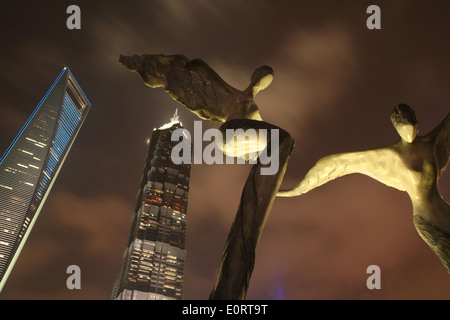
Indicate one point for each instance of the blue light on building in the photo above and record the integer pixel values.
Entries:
(30, 165)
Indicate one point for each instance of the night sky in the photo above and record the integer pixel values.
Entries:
(336, 83)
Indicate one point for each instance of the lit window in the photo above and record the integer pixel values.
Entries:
(27, 152)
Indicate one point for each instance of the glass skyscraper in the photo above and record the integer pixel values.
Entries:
(153, 264)
(30, 165)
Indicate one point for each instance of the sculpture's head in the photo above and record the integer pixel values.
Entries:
(261, 79)
(405, 122)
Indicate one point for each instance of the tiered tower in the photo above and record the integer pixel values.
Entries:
(153, 266)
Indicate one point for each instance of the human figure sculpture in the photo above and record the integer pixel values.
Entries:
(414, 164)
(198, 87)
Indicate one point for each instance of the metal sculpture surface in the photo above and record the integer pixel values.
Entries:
(414, 165)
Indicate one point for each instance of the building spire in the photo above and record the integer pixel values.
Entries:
(175, 116)
(173, 120)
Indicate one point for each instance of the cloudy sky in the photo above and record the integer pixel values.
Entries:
(335, 85)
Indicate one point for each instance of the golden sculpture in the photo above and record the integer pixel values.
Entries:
(414, 165)
(198, 87)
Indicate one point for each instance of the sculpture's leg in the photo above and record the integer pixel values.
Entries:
(255, 205)
(436, 238)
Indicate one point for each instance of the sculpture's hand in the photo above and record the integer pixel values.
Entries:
(132, 63)
(442, 143)
(373, 163)
(156, 70)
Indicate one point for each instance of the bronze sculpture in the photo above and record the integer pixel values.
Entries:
(198, 87)
(414, 164)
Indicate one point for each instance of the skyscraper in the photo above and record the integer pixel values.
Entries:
(153, 265)
(30, 165)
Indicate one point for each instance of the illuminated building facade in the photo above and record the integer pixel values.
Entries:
(31, 164)
(153, 265)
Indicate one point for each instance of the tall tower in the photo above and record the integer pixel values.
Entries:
(153, 266)
(30, 165)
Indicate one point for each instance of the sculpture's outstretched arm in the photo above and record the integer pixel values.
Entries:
(372, 163)
(442, 143)
(198, 87)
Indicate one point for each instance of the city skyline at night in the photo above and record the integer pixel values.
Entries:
(335, 84)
